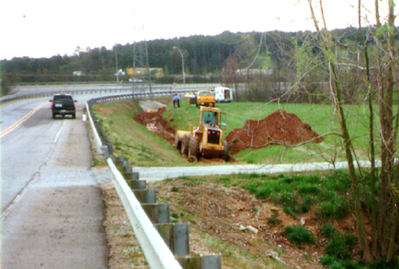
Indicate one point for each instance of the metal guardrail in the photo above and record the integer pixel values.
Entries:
(140, 91)
(154, 247)
(156, 251)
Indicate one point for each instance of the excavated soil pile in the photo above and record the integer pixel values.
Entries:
(279, 128)
(155, 123)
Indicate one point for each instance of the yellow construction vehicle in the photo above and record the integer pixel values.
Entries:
(206, 139)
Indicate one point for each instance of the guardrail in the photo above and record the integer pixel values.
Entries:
(89, 89)
(165, 245)
(154, 247)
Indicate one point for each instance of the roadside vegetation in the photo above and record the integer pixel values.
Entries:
(322, 197)
(312, 211)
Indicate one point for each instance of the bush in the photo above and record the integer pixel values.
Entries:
(381, 264)
(327, 260)
(299, 235)
(329, 231)
(333, 209)
(284, 198)
(338, 248)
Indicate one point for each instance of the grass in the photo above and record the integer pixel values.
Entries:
(297, 193)
(299, 235)
(132, 137)
(132, 140)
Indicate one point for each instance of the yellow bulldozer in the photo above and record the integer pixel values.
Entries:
(207, 138)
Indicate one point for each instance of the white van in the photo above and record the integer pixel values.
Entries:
(223, 94)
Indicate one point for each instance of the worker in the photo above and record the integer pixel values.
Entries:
(208, 118)
(175, 100)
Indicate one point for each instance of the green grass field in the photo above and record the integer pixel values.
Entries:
(146, 149)
(323, 119)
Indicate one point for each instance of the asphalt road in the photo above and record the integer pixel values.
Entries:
(52, 210)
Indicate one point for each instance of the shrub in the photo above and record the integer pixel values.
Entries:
(304, 208)
(329, 231)
(326, 260)
(299, 235)
(288, 210)
(333, 209)
(381, 264)
(174, 215)
(338, 248)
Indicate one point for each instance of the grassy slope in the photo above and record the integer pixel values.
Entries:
(132, 140)
(322, 119)
(146, 149)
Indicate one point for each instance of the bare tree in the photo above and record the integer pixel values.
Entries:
(379, 79)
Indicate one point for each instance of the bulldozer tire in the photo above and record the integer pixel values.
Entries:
(177, 142)
(193, 149)
(225, 155)
(185, 144)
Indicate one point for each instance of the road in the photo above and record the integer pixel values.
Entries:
(51, 206)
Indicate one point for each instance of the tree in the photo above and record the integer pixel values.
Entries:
(379, 76)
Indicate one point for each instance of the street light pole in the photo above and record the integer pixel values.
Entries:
(182, 62)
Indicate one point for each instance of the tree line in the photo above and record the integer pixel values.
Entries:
(203, 55)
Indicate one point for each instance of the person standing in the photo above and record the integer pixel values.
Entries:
(178, 100)
(175, 100)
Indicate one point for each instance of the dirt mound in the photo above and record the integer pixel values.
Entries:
(155, 123)
(279, 128)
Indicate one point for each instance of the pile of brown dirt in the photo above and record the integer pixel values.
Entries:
(155, 123)
(279, 128)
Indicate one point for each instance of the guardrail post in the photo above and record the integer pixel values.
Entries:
(166, 232)
(163, 213)
(211, 261)
(121, 159)
(150, 196)
(181, 239)
(147, 196)
(137, 184)
(110, 148)
(189, 261)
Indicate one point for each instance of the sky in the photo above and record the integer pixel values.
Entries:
(44, 28)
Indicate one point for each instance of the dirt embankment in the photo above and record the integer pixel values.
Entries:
(235, 216)
(157, 124)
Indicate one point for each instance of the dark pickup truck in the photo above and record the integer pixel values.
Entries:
(63, 104)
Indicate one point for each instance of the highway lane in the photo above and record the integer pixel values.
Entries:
(52, 210)
(24, 148)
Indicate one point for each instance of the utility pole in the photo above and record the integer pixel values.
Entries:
(141, 66)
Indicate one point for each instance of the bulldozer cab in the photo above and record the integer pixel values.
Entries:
(213, 117)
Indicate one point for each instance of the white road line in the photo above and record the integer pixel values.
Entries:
(19, 122)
